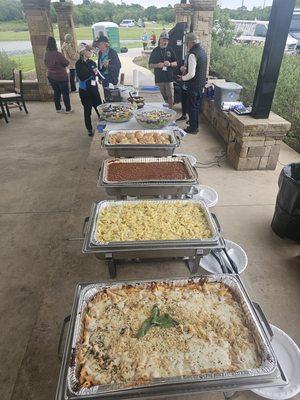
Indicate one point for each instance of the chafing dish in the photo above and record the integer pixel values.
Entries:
(193, 249)
(162, 188)
(268, 374)
(139, 150)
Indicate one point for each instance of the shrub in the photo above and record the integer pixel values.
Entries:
(6, 66)
(240, 64)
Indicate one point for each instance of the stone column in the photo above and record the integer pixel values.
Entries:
(39, 24)
(202, 21)
(183, 14)
(65, 21)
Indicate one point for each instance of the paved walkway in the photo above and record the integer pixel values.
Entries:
(146, 78)
(48, 180)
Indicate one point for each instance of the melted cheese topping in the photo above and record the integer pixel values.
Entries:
(212, 335)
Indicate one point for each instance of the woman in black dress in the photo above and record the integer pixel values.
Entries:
(86, 70)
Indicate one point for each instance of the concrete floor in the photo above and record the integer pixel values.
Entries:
(48, 181)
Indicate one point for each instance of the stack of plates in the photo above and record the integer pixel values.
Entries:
(288, 355)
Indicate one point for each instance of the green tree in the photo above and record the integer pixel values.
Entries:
(223, 30)
(10, 10)
(166, 14)
(150, 13)
(53, 13)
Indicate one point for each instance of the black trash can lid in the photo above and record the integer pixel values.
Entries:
(292, 171)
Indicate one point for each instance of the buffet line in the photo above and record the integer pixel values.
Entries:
(163, 220)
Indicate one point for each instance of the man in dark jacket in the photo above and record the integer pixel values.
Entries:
(194, 78)
(109, 63)
(163, 60)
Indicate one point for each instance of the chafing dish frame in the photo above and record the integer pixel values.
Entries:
(231, 385)
(139, 150)
(147, 188)
(191, 250)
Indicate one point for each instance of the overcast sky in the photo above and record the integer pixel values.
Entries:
(224, 3)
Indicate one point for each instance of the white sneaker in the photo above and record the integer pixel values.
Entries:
(60, 111)
(69, 112)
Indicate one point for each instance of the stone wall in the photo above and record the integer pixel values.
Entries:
(250, 143)
(31, 89)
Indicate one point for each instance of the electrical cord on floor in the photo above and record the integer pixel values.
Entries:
(281, 163)
(216, 162)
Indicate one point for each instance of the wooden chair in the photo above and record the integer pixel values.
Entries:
(3, 112)
(14, 100)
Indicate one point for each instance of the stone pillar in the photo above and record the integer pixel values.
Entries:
(202, 22)
(65, 21)
(39, 24)
(183, 14)
(251, 144)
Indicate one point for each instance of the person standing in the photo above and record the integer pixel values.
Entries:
(145, 40)
(163, 60)
(57, 75)
(86, 70)
(109, 63)
(194, 76)
(153, 39)
(72, 55)
(184, 95)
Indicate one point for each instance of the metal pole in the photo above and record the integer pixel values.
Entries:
(278, 29)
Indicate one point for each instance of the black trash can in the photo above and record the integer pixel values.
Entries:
(286, 219)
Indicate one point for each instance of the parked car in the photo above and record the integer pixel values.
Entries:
(127, 23)
(141, 23)
(255, 32)
(295, 27)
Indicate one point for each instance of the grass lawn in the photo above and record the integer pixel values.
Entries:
(7, 32)
(13, 25)
(26, 62)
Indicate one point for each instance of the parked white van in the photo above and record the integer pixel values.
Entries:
(256, 32)
(127, 23)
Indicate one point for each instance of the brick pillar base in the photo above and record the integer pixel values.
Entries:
(251, 143)
(39, 24)
(65, 21)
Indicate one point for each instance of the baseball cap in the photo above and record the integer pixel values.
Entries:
(190, 37)
(100, 39)
(164, 35)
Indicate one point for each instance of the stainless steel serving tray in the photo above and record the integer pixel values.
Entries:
(147, 150)
(193, 176)
(91, 244)
(266, 375)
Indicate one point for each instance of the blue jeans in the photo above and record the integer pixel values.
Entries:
(193, 108)
(72, 79)
(60, 88)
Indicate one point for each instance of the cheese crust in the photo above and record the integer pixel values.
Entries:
(211, 336)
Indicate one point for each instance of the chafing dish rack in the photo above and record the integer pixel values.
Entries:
(192, 249)
(145, 149)
(148, 187)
